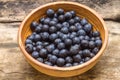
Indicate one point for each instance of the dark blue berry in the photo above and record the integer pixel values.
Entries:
(83, 21)
(76, 40)
(53, 59)
(48, 63)
(84, 43)
(71, 21)
(95, 50)
(60, 62)
(74, 50)
(72, 29)
(53, 36)
(55, 19)
(61, 45)
(33, 25)
(43, 53)
(78, 26)
(68, 64)
(50, 48)
(98, 43)
(65, 24)
(81, 32)
(69, 59)
(87, 27)
(61, 18)
(39, 47)
(87, 59)
(68, 42)
(37, 37)
(52, 29)
(68, 15)
(42, 20)
(64, 30)
(73, 13)
(38, 43)
(77, 19)
(38, 29)
(45, 36)
(35, 54)
(91, 44)
(86, 53)
(63, 53)
(55, 52)
(28, 41)
(57, 41)
(47, 21)
(60, 11)
(50, 12)
(45, 28)
(75, 64)
(52, 23)
(29, 48)
(77, 58)
(58, 26)
(45, 44)
(96, 34)
(40, 59)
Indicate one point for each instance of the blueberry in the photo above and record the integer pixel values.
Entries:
(77, 19)
(72, 28)
(92, 39)
(81, 32)
(55, 52)
(52, 29)
(72, 36)
(28, 41)
(53, 59)
(64, 37)
(60, 34)
(71, 21)
(29, 48)
(45, 28)
(87, 38)
(69, 59)
(77, 58)
(64, 30)
(78, 26)
(42, 20)
(50, 48)
(95, 50)
(57, 41)
(48, 63)
(50, 12)
(39, 47)
(97, 38)
(58, 26)
(80, 53)
(35, 54)
(75, 64)
(60, 62)
(81, 62)
(86, 53)
(47, 21)
(84, 43)
(55, 19)
(43, 53)
(38, 43)
(68, 64)
(31, 37)
(38, 29)
(52, 23)
(98, 43)
(65, 24)
(61, 18)
(34, 48)
(87, 59)
(40, 59)
(87, 27)
(68, 15)
(55, 15)
(91, 44)
(60, 11)
(45, 44)
(83, 21)
(74, 50)
(37, 37)
(53, 36)
(33, 25)
(92, 55)
(68, 42)
(63, 53)
(61, 45)
(76, 40)
(73, 13)
(49, 55)
(45, 36)
(96, 34)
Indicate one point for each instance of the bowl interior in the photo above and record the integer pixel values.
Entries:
(82, 11)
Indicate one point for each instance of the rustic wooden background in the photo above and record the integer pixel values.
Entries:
(13, 65)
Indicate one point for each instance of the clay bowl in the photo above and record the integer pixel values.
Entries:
(82, 11)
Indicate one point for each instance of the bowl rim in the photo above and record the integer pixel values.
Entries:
(63, 68)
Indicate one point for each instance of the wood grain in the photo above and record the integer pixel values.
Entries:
(13, 66)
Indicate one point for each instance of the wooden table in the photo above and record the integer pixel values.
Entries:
(13, 65)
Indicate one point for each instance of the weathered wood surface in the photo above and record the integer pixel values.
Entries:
(13, 65)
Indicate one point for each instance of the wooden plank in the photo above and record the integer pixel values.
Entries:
(13, 65)
(16, 10)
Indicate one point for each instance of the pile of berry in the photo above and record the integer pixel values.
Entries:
(62, 39)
